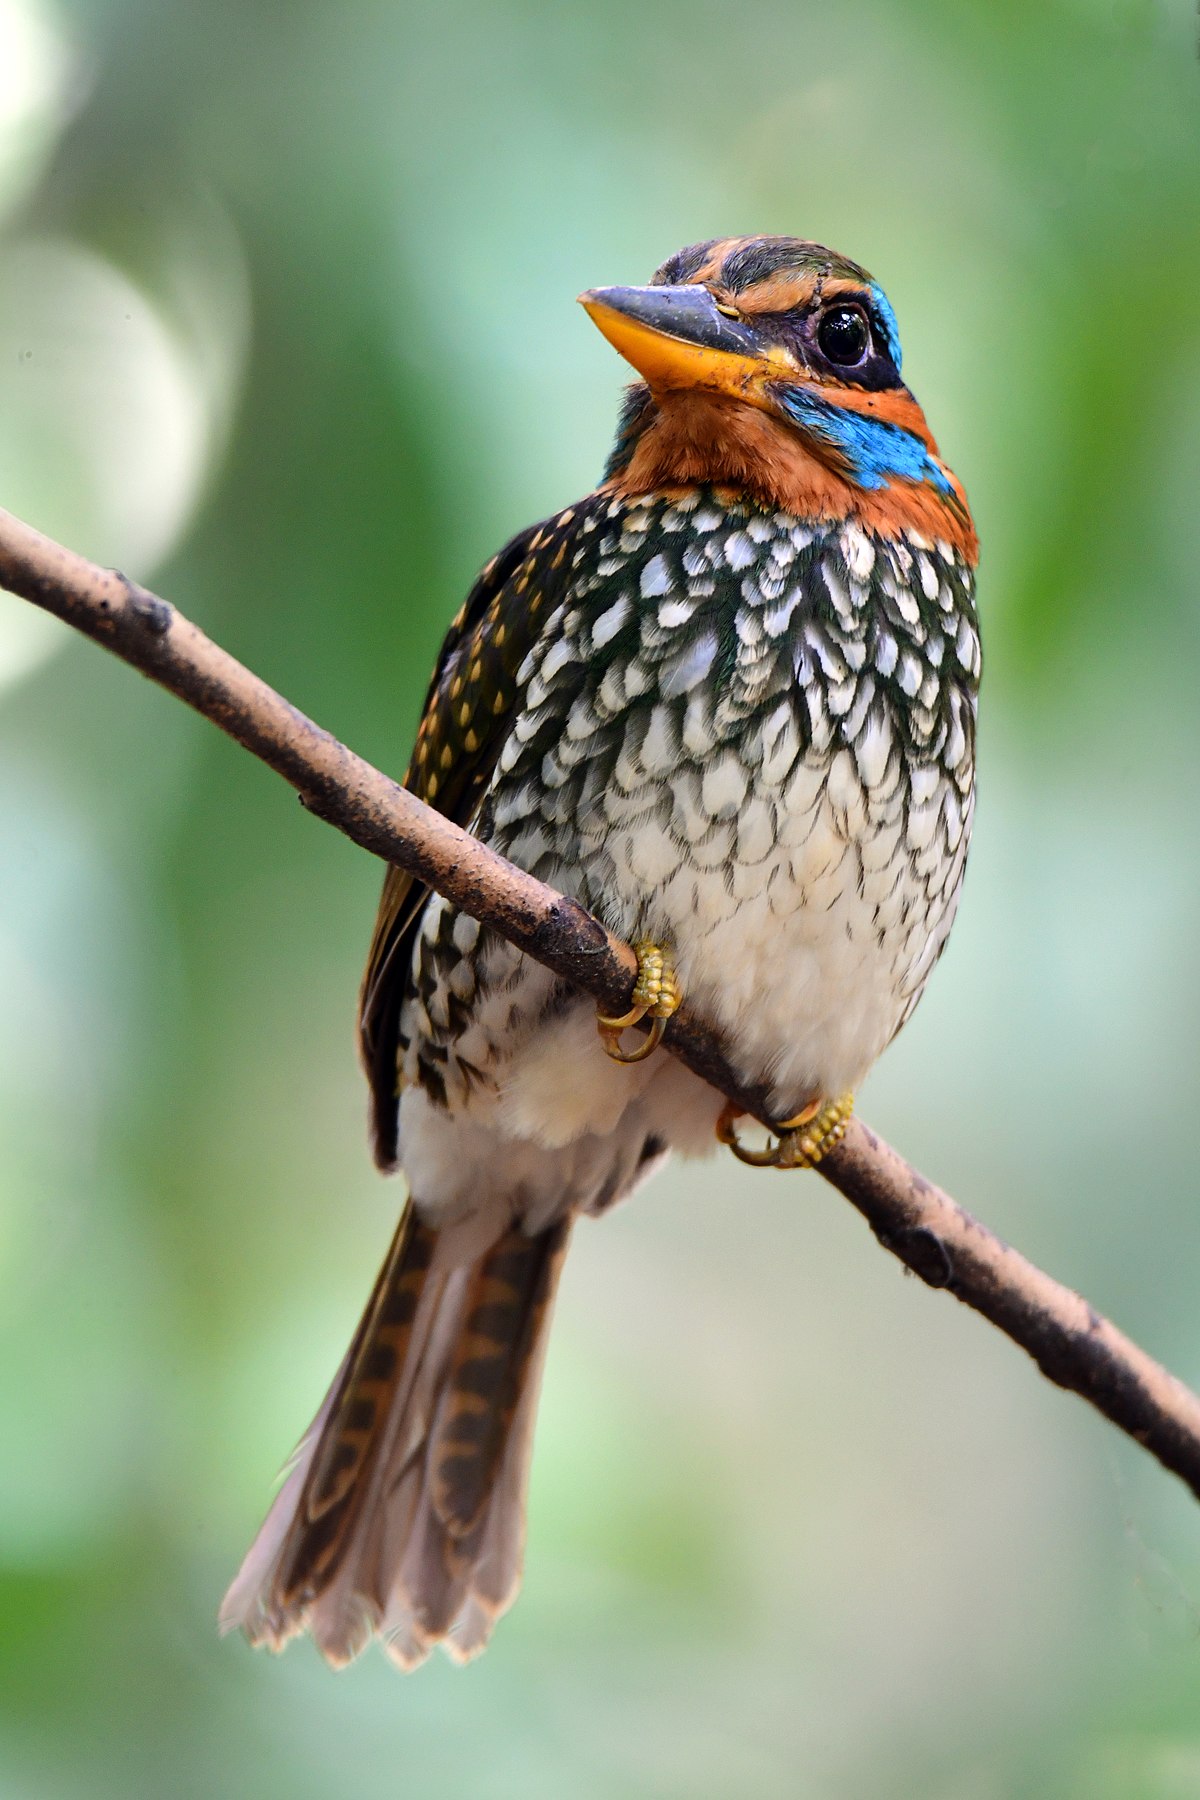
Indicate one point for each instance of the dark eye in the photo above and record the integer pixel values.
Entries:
(843, 335)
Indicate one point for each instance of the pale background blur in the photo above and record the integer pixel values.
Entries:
(287, 327)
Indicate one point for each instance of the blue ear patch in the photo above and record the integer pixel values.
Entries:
(875, 452)
(885, 320)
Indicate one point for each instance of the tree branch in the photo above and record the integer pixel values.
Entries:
(930, 1233)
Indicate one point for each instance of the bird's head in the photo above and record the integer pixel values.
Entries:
(772, 365)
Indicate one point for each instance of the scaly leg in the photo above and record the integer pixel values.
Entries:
(802, 1141)
(656, 992)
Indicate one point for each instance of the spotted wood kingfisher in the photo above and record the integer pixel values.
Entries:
(726, 700)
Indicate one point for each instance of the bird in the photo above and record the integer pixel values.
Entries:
(727, 701)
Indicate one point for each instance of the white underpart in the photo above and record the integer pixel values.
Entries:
(761, 817)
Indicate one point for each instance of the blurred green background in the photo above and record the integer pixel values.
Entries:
(287, 327)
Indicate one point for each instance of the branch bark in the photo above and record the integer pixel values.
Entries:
(928, 1231)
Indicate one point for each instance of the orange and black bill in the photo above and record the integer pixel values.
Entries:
(678, 337)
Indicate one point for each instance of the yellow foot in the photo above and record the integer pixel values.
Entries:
(802, 1141)
(655, 994)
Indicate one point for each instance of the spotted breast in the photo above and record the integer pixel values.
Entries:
(727, 700)
(751, 737)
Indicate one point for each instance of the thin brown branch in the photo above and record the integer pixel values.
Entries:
(1071, 1343)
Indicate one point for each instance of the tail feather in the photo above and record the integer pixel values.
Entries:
(508, 1299)
(335, 1486)
(404, 1511)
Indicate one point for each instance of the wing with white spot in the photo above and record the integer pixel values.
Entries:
(467, 716)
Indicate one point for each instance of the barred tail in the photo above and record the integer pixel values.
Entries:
(404, 1511)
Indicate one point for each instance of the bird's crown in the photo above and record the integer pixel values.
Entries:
(773, 364)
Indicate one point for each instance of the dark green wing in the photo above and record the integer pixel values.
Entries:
(468, 712)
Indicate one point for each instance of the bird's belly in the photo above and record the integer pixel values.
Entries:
(805, 946)
(804, 912)
(755, 748)
(807, 941)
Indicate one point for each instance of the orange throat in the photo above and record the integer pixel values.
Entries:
(697, 437)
